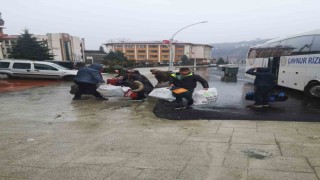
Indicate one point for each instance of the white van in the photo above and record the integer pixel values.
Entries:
(11, 68)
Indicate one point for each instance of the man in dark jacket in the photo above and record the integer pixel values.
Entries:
(130, 80)
(263, 83)
(187, 80)
(87, 79)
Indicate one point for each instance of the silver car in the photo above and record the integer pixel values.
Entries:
(11, 68)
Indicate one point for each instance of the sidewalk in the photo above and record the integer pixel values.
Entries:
(46, 135)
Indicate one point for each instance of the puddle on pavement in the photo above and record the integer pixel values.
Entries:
(11, 85)
(256, 153)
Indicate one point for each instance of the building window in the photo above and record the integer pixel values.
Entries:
(154, 51)
(117, 46)
(129, 51)
(141, 56)
(164, 46)
(129, 46)
(164, 56)
(153, 46)
(141, 51)
(179, 51)
(165, 51)
(141, 46)
(153, 56)
(179, 46)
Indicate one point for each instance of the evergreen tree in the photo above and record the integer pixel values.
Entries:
(117, 58)
(28, 47)
(185, 60)
(220, 61)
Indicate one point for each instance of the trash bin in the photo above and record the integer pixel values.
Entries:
(230, 73)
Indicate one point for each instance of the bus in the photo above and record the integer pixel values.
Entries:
(294, 61)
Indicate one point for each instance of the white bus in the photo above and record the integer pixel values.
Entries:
(294, 60)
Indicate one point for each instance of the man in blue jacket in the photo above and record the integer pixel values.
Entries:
(87, 79)
(187, 80)
(263, 85)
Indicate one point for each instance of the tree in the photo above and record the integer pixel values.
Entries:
(220, 61)
(185, 60)
(117, 58)
(28, 47)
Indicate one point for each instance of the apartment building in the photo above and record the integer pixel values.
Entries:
(157, 52)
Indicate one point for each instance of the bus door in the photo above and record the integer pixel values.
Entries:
(273, 64)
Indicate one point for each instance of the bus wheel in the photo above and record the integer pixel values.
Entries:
(313, 89)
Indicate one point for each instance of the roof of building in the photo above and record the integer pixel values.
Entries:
(151, 42)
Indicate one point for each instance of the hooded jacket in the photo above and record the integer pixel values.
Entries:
(264, 77)
(90, 74)
(187, 82)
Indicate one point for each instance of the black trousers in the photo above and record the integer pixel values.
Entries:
(261, 94)
(86, 88)
(187, 95)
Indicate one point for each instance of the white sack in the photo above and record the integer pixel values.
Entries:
(162, 93)
(205, 96)
(107, 90)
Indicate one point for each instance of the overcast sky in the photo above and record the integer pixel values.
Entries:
(145, 20)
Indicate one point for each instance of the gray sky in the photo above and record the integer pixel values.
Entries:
(145, 20)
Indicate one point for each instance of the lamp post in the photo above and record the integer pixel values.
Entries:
(171, 40)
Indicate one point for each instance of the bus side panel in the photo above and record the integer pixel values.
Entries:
(312, 73)
(297, 71)
(292, 77)
(284, 76)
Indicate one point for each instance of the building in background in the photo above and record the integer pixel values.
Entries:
(63, 46)
(94, 56)
(6, 41)
(157, 52)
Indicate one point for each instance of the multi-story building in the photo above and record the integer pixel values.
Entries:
(6, 41)
(157, 52)
(62, 45)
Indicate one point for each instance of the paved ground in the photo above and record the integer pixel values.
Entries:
(231, 103)
(46, 135)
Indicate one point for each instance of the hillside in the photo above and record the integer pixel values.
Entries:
(234, 50)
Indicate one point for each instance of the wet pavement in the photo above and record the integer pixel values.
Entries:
(46, 135)
(231, 103)
(11, 85)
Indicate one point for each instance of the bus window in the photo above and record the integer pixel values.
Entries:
(300, 45)
(274, 44)
(315, 47)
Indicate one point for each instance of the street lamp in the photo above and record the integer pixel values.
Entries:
(171, 40)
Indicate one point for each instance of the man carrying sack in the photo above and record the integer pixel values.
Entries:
(183, 84)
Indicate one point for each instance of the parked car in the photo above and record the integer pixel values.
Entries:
(11, 68)
(68, 64)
